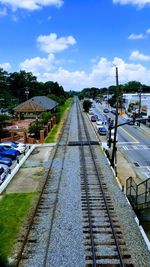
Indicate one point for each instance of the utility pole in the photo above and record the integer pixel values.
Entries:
(140, 91)
(108, 97)
(114, 154)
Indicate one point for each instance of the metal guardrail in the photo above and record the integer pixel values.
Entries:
(138, 194)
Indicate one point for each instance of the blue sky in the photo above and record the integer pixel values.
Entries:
(77, 43)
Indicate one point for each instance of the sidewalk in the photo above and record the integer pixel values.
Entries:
(125, 169)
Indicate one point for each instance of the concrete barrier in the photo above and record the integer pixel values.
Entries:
(15, 170)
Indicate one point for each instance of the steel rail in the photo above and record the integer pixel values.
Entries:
(87, 194)
(122, 264)
(56, 200)
(20, 254)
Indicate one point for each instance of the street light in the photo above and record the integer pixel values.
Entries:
(26, 92)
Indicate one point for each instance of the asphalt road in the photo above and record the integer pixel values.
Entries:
(133, 143)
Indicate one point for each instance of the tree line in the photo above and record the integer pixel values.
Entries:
(15, 86)
(130, 87)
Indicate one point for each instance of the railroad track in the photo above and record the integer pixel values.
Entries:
(102, 235)
(45, 209)
(103, 238)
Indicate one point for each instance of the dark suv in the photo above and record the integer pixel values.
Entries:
(106, 110)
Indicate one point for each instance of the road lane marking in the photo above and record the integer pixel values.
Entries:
(126, 143)
(125, 148)
(135, 147)
(147, 174)
(131, 136)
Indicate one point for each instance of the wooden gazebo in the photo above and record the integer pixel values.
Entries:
(36, 105)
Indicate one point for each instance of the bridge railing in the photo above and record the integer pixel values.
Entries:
(138, 194)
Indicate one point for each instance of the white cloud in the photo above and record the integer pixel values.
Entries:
(136, 55)
(148, 31)
(38, 64)
(6, 66)
(136, 36)
(102, 74)
(139, 3)
(51, 44)
(3, 12)
(31, 4)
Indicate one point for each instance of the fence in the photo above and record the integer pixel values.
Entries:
(138, 194)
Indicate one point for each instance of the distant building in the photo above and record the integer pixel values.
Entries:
(134, 99)
(36, 105)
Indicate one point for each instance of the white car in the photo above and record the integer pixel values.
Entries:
(4, 170)
(18, 144)
(11, 145)
(99, 123)
(91, 112)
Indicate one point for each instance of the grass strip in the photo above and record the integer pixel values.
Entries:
(53, 135)
(13, 210)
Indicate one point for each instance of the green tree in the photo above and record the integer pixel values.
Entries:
(87, 105)
(35, 127)
(132, 87)
(19, 81)
(44, 117)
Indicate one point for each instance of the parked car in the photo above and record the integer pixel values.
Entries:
(91, 112)
(96, 116)
(10, 153)
(4, 170)
(6, 161)
(18, 144)
(106, 110)
(11, 145)
(131, 121)
(93, 118)
(113, 111)
(99, 123)
(102, 130)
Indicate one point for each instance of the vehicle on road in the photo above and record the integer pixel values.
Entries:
(113, 111)
(102, 130)
(99, 123)
(6, 161)
(93, 118)
(130, 121)
(106, 110)
(91, 112)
